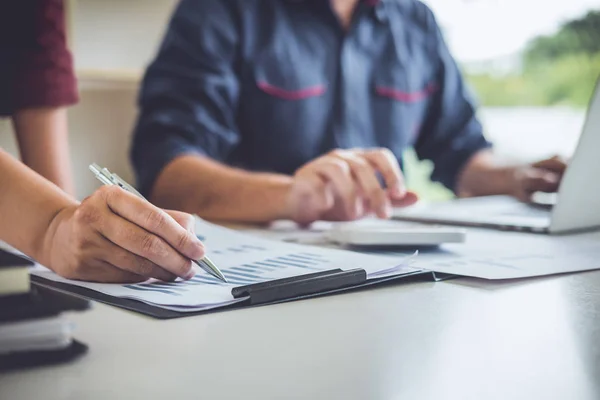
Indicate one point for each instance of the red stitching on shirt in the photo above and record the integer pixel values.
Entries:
(407, 97)
(289, 94)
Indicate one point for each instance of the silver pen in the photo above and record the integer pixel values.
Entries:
(108, 178)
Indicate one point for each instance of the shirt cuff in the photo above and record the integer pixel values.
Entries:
(448, 170)
(150, 162)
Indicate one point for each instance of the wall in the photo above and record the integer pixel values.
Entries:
(112, 41)
(100, 128)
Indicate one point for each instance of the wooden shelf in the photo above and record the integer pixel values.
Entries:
(118, 79)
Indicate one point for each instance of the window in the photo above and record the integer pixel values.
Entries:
(532, 64)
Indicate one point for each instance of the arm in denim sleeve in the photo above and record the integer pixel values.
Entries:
(452, 133)
(190, 91)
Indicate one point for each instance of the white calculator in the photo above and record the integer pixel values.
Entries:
(393, 233)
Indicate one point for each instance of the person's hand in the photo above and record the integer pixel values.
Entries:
(343, 185)
(542, 176)
(114, 236)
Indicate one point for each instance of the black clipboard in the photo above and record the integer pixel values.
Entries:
(258, 294)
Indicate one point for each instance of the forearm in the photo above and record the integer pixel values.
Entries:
(28, 205)
(485, 174)
(42, 134)
(214, 191)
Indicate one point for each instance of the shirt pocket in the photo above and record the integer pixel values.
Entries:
(286, 107)
(285, 91)
(402, 97)
(288, 82)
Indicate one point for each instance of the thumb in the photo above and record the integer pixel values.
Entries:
(555, 164)
(186, 220)
(409, 199)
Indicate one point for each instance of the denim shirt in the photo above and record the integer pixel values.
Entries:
(269, 85)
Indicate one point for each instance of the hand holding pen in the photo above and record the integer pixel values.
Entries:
(165, 243)
(115, 237)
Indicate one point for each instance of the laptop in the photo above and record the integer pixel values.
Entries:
(576, 208)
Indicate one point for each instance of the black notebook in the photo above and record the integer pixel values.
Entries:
(33, 332)
(38, 303)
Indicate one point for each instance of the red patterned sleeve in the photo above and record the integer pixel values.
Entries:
(44, 74)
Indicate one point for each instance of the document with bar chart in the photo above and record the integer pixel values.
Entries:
(244, 259)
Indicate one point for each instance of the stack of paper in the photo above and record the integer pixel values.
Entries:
(244, 259)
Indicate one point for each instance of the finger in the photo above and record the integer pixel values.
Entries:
(132, 263)
(539, 180)
(186, 220)
(385, 162)
(315, 196)
(154, 220)
(364, 174)
(523, 196)
(365, 207)
(555, 164)
(408, 200)
(104, 272)
(146, 245)
(337, 173)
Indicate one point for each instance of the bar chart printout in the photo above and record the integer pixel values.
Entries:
(244, 259)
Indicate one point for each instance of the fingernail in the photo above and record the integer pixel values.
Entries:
(553, 178)
(398, 191)
(384, 213)
(358, 208)
(190, 274)
(191, 226)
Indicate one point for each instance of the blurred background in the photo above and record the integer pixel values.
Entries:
(531, 63)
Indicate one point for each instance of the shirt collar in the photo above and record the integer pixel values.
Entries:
(371, 3)
(377, 5)
(379, 8)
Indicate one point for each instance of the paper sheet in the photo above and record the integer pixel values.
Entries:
(502, 255)
(487, 253)
(244, 259)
